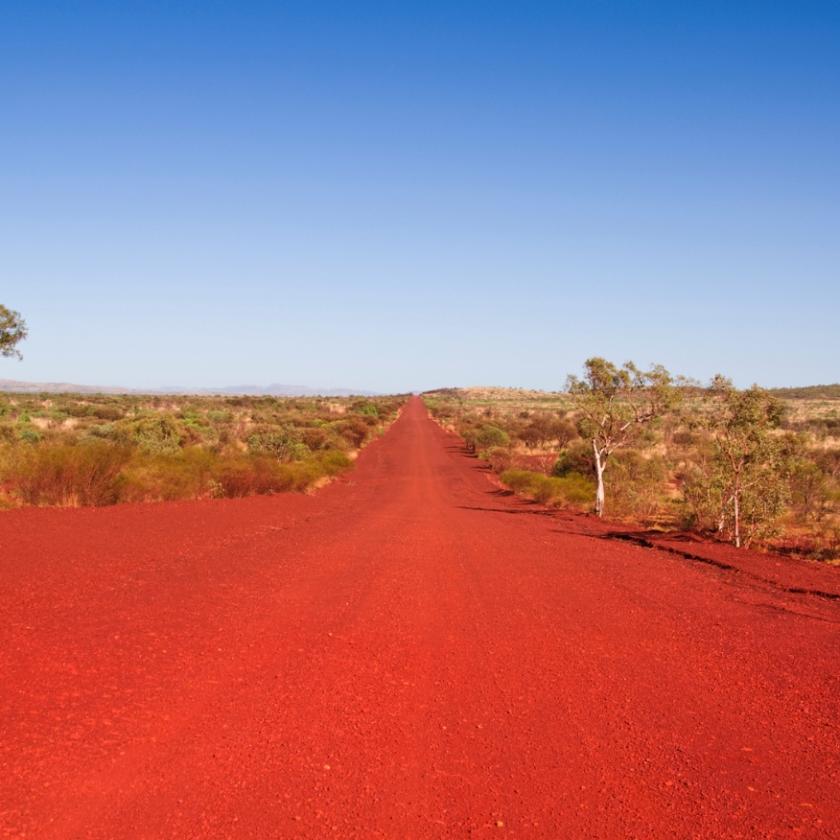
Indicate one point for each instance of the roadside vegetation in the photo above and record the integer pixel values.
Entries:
(752, 467)
(74, 450)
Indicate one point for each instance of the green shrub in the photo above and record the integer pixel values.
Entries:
(217, 416)
(518, 480)
(155, 435)
(366, 408)
(299, 475)
(542, 488)
(577, 489)
(281, 443)
(488, 436)
(187, 474)
(333, 461)
(28, 434)
(635, 484)
(577, 457)
(572, 489)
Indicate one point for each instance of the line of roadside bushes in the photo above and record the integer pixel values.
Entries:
(186, 448)
(99, 473)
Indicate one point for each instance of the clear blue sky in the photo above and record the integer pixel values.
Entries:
(405, 195)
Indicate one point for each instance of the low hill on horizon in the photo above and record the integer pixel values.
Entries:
(272, 390)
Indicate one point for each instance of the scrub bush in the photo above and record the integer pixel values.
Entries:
(67, 474)
(573, 489)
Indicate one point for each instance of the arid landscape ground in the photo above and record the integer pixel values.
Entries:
(412, 651)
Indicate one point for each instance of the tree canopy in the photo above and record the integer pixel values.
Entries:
(12, 331)
(613, 403)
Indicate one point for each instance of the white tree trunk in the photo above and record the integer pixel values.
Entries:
(599, 472)
(737, 512)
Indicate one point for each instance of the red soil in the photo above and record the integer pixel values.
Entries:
(409, 653)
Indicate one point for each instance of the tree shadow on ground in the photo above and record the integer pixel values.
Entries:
(507, 510)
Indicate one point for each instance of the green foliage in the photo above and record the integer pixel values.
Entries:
(186, 474)
(153, 435)
(810, 489)
(577, 457)
(219, 417)
(614, 405)
(742, 485)
(367, 409)
(572, 489)
(333, 461)
(488, 436)
(614, 402)
(28, 434)
(635, 483)
(12, 331)
(281, 443)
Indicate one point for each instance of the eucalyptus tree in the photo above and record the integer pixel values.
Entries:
(613, 404)
(748, 473)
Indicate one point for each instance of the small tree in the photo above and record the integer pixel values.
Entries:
(748, 469)
(12, 331)
(614, 404)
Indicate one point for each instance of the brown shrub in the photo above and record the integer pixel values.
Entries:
(67, 474)
(354, 430)
(249, 475)
(315, 438)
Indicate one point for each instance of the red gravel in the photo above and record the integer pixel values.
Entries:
(407, 654)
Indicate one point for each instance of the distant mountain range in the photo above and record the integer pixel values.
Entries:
(273, 390)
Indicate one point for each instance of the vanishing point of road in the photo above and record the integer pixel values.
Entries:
(408, 653)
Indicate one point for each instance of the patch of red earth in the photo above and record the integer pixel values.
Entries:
(795, 575)
(409, 653)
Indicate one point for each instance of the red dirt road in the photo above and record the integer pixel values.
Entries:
(406, 654)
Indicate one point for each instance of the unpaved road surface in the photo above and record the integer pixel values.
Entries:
(409, 653)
